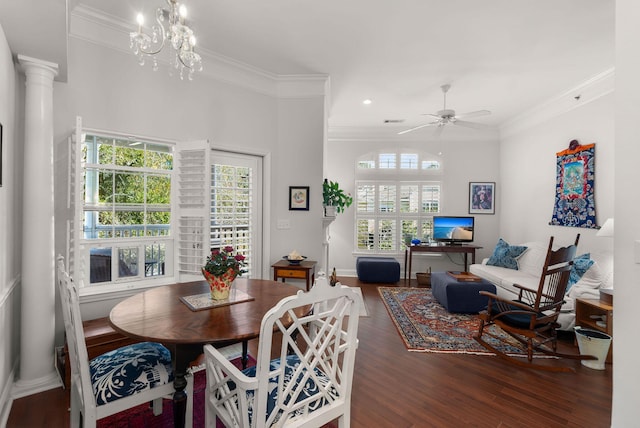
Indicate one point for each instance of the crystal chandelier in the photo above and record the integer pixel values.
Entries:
(170, 29)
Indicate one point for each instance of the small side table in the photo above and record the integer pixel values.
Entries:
(305, 270)
(585, 308)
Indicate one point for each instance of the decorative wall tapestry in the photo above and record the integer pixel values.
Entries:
(575, 173)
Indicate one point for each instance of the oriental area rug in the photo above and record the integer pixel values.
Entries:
(426, 326)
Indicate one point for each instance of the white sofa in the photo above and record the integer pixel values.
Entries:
(599, 275)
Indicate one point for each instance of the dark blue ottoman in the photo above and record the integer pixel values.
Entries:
(378, 269)
(460, 296)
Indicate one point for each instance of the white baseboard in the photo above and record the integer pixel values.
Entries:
(6, 400)
(24, 388)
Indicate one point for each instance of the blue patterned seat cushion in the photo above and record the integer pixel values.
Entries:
(310, 388)
(505, 255)
(130, 369)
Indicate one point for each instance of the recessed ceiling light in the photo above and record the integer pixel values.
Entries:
(366, 102)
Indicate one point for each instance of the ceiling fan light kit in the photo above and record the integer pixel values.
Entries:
(446, 116)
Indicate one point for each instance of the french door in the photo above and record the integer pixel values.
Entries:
(236, 206)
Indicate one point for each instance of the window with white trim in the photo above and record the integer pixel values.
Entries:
(125, 210)
(397, 195)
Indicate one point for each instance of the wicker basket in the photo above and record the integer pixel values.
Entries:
(424, 278)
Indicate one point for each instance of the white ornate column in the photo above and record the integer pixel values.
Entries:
(37, 371)
(326, 222)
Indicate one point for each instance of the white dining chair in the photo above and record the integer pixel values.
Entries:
(309, 383)
(117, 380)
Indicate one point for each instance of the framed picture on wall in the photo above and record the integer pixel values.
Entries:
(299, 198)
(482, 197)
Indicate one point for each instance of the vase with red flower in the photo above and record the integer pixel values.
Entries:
(220, 271)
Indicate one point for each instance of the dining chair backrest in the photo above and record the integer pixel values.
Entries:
(80, 376)
(314, 335)
(117, 380)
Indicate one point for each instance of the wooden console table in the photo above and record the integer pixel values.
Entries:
(305, 270)
(464, 249)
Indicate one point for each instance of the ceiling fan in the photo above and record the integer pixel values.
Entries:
(447, 116)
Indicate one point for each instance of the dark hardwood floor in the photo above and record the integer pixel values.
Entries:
(396, 388)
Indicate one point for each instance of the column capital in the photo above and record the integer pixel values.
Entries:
(28, 63)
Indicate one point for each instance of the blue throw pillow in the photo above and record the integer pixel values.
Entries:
(505, 255)
(581, 264)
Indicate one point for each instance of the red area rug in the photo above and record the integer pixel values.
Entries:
(426, 326)
(142, 416)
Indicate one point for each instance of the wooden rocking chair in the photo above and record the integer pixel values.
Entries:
(532, 318)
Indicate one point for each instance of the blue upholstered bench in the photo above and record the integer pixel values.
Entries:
(378, 269)
(460, 296)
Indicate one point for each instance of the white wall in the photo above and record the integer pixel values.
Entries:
(466, 156)
(10, 225)
(110, 91)
(528, 166)
(626, 347)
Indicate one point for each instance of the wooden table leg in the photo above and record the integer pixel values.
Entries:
(181, 358)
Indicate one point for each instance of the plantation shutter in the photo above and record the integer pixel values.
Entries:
(74, 205)
(193, 202)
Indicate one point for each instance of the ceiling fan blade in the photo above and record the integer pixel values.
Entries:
(466, 124)
(432, 115)
(417, 127)
(473, 114)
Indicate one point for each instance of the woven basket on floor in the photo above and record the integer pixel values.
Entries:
(424, 278)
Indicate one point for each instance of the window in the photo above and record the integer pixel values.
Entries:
(394, 201)
(126, 209)
(231, 210)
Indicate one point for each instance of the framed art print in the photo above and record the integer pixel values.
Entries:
(299, 198)
(482, 197)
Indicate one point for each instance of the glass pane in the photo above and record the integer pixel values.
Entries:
(127, 262)
(365, 234)
(159, 157)
(408, 161)
(105, 150)
(427, 229)
(158, 223)
(430, 164)
(409, 198)
(129, 153)
(366, 164)
(98, 225)
(387, 235)
(387, 196)
(128, 188)
(387, 160)
(409, 231)
(99, 265)
(431, 198)
(105, 186)
(154, 259)
(129, 224)
(365, 198)
(158, 189)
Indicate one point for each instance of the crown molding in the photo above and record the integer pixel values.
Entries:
(582, 94)
(390, 134)
(96, 27)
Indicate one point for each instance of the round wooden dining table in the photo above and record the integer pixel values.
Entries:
(161, 315)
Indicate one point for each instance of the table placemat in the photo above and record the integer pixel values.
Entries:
(199, 302)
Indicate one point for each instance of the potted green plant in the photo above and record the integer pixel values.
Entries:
(334, 198)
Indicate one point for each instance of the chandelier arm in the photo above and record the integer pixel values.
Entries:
(176, 31)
